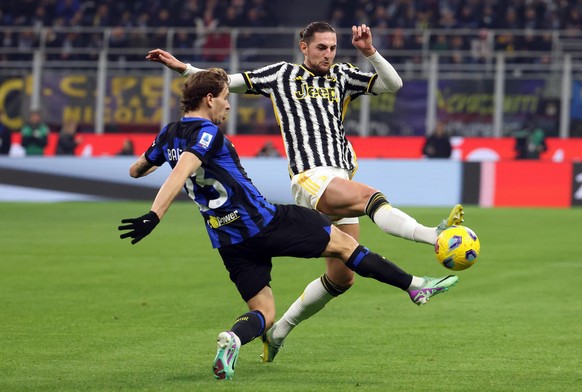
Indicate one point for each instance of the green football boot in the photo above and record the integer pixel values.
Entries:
(432, 287)
(270, 349)
(228, 346)
(455, 218)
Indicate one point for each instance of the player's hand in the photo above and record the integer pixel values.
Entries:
(163, 57)
(362, 39)
(139, 227)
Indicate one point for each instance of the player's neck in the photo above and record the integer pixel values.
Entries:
(198, 113)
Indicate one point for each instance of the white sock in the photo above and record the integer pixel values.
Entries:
(393, 221)
(416, 283)
(313, 299)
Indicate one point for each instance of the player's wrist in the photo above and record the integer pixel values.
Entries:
(186, 70)
(153, 216)
(369, 52)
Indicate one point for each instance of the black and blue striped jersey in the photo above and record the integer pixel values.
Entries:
(232, 207)
(310, 110)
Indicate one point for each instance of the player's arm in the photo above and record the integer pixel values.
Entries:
(236, 82)
(138, 228)
(141, 167)
(388, 79)
(167, 59)
(186, 166)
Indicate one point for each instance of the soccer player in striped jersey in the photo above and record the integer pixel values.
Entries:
(247, 230)
(310, 101)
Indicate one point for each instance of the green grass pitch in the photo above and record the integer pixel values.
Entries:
(82, 310)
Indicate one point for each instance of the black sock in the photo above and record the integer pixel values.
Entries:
(372, 265)
(249, 326)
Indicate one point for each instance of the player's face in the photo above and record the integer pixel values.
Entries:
(320, 52)
(220, 106)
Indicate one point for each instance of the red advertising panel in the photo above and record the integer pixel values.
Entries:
(466, 149)
(492, 149)
(532, 184)
(109, 144)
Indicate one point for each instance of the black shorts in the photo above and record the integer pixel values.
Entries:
(294, 231)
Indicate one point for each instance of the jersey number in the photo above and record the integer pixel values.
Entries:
(202, 182)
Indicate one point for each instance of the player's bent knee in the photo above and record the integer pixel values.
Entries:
(340, 244)
(367, 193)
(339, 276)
(346, 283)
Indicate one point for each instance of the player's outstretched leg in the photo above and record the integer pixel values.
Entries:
(432, 287)
(456, 217)
(228, 345)
(396, 222)
(372, 265)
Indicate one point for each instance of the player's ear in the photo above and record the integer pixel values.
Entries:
(303, 46)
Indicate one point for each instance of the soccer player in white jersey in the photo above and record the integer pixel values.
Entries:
(310, 102)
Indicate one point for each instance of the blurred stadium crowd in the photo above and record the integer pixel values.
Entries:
(455, 14)
(534, 19)
(139, 13)
(72, 34)
(140, 24)
(410, 14)
(144, 24)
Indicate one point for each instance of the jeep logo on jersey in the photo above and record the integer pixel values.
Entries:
(217, 221)
(308, 91)
(205, 140)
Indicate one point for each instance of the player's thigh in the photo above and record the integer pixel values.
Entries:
(295, 231)
(345, 197)
(308, 186)
(352, 230)
(249, 270)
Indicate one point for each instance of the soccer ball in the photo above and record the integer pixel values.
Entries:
(457, 248)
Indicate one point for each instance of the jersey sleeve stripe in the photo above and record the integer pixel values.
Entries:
(248, 80)
(371, 84)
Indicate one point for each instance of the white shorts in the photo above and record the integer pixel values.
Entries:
(307, 188)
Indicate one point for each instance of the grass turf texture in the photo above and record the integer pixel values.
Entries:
(84, 310)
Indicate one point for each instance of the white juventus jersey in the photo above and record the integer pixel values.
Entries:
(310, 110)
